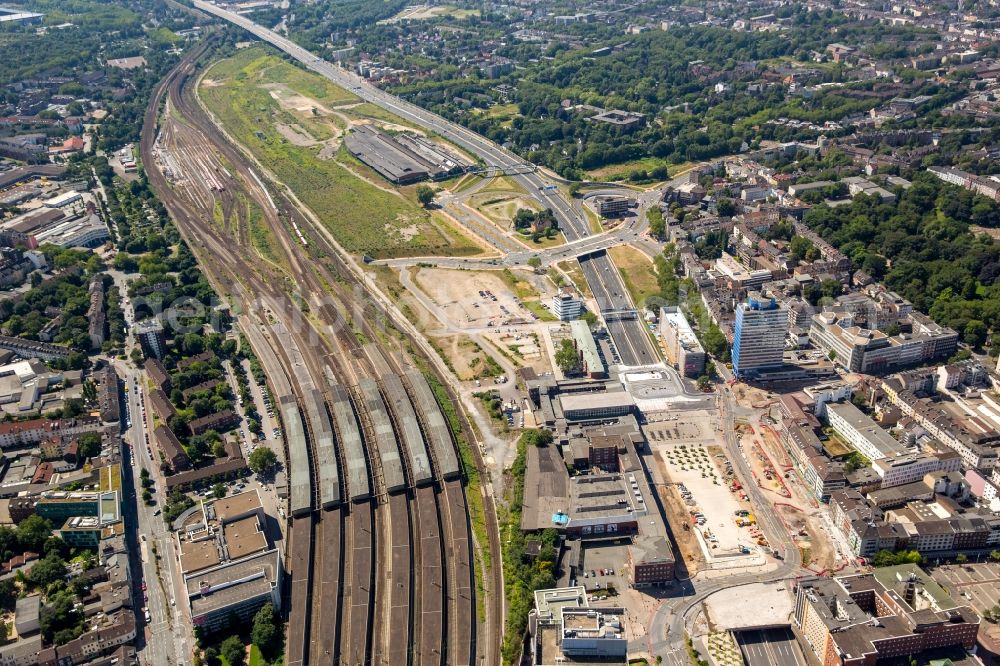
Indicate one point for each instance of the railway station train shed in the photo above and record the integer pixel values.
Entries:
(385, 439)
(349, 437)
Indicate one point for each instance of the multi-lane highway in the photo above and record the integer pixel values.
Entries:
(628, 334)
(769, 647)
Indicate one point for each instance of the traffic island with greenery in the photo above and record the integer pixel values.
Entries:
(536, 225)
(523, 575)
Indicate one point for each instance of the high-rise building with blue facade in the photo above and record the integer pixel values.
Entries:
(759, 335)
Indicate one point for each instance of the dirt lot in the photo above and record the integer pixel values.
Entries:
(799, 511)
(466, 357)
(525, 345)
(680, 526)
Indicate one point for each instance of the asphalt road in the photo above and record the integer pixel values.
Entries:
(519, 258)
(166, 638)
(768, 647)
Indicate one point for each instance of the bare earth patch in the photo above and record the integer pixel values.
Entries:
(295, 135)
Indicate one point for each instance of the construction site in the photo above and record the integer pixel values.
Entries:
(712, 505)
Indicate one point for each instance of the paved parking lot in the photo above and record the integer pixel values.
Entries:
(977, 585)
(600, 557)
(769, 647)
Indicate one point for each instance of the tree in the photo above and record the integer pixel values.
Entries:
(995, 556)
(799, 246)
(32, 533)
(263, 460)
(425, 195)
(89, 445)
(47, 571)
(961, 558)
(536, 437)
(266, 633)
(219, 490)
(855, 461)
(657, 224)
(89, 391)
(233, 650)
(218, 449)
(704, 383)
(725, 208)
(887, 558)
(567, 358)
(590, 318)
(975, 333)
(535, 261)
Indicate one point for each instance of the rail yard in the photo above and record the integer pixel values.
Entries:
(376, 490)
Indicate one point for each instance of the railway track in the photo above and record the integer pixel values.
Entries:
(332, 553)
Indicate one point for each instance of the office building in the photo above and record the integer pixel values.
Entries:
(566, 305)
(871, 351)
(652, 561)
(906, 468)
(565, 629)
(758, 336)
(683, 349)
(151, 337)
(229, 565)
(612, 205)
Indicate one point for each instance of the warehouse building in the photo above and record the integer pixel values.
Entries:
(591, 364)
(402, 158)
